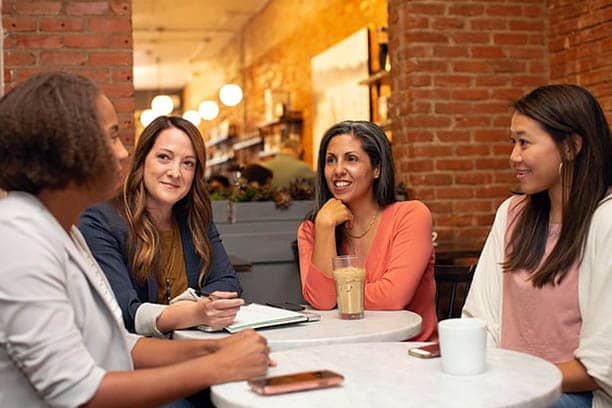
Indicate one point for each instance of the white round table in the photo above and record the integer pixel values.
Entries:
(384, 375)
(377, 326)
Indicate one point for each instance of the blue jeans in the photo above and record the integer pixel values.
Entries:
(575, 400)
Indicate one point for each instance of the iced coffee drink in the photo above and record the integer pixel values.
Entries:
(349, 275)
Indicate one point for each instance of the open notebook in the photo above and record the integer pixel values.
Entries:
(255, 316)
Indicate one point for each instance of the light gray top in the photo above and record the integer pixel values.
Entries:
(384, 375)
(394, 325)
(60, 326)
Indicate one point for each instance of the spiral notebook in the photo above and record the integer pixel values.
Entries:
(255, 316)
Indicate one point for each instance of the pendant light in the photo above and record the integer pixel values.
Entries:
(230, 94)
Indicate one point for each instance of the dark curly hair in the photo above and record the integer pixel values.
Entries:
(50, 134)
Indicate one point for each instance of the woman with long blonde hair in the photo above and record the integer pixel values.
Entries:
(156, 241)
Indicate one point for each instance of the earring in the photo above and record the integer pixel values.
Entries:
(560, 169)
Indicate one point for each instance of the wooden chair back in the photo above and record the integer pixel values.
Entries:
(452, 286)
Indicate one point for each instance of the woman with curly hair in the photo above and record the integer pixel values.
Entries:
(63, 340)
(156, 242)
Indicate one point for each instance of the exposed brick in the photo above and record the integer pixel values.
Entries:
(118, 90)
(511, 39)
(454, 164)
(38, 7)
(109, 25)
(447, 23)
(471, 149)
(12, 58)
(470, 94)
(125, 105)
(491, 164)
(121, 7)
(110, 58)
(450, 51)
(487, 52)
(100, 75)
(38, 41)
(504, 11)
(87, 41)
(454, 192)
(476, 178)
(452, 80)
(21, 74)
(466, 10)
(61, 24)
(121, 41)
(92, 8)
(63, 58)
(453, 135)
(18, 24)
(475, 205)
(122, 74)
(435, 179)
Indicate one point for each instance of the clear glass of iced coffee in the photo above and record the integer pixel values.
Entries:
(349, 275)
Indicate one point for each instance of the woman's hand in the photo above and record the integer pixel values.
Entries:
(334, 212)
(219, 309)
(244, 355)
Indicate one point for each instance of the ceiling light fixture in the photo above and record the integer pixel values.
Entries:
(193, 117)
(208, 110)
(230, 94)
(162, 105)
(147, 116)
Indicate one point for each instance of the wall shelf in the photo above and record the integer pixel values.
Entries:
(376, 77)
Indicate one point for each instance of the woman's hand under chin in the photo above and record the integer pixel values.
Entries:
(334, 212)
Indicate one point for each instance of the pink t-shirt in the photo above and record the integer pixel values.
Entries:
(546, 321)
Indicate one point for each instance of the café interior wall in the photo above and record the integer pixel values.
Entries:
(278, 45)
(455, 69)
(93, 39)
(580, 46)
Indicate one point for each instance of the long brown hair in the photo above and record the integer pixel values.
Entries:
(564, 112)
(143, 239)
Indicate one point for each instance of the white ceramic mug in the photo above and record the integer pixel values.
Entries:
(463, 346)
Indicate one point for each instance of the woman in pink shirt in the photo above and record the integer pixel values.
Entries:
(544, 279)
(356, 213)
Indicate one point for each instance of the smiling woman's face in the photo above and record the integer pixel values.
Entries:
(169, 169)
(348, 170)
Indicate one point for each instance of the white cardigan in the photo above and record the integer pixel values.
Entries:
(60, 327)
(594, 295)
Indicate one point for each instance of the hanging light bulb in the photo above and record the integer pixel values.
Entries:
(193, 117)
(162, 105)
(230, 94)
(208, 110)
(147, 116)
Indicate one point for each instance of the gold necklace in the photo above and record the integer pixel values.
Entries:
(366, 230)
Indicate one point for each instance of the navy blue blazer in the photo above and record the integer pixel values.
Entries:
(105, 231)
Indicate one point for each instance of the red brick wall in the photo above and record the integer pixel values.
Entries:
(581, 46)
(91, 38)
(456, 66)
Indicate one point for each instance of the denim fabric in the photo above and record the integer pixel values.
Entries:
(575, 400)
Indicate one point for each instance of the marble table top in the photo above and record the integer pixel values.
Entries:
(377, 326)
(384, 375)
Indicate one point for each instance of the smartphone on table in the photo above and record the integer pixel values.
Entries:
(430, 351)
(308, 380)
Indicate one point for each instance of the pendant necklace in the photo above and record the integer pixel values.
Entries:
(366, 230)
